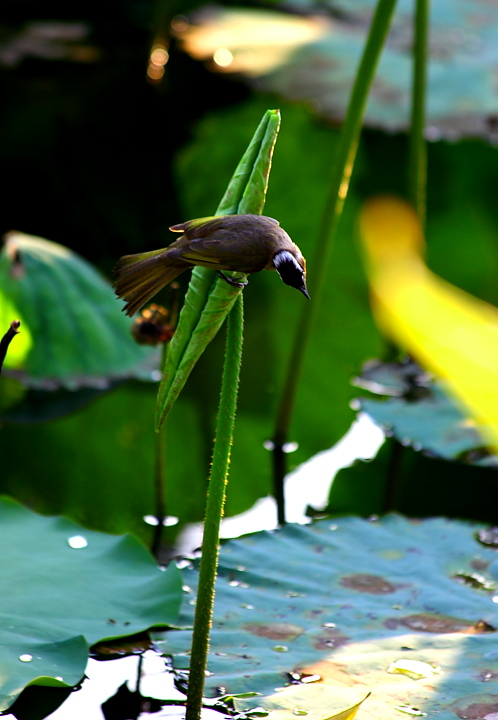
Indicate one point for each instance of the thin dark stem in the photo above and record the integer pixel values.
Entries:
(278, 488)
(160, 449)
(394, 472)
(214, 511)
(417, 177)
(7, 339)
(139, 673)
(417, 167)
(343, 168)
(159, 469)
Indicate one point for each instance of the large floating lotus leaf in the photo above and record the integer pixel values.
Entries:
(420, 414)
(60, 595)
(346, 598)
(315, 60)
(73, 332)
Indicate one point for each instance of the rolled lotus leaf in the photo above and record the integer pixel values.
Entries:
(73, 331)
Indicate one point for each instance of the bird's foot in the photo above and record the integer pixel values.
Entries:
(232, 281)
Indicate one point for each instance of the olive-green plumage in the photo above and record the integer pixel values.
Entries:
(237, 243)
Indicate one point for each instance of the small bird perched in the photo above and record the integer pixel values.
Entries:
(238, 243)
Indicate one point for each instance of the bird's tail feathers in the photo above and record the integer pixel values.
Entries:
(139, 277)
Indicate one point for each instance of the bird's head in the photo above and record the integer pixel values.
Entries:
(292, 269)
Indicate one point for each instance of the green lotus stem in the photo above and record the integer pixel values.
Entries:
(417, 168)
(348, 145)
(214, 510)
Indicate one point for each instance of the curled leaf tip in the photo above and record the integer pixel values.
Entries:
(7, 338)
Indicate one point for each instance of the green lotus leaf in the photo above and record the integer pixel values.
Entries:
(318, 60)
(421, 414)
(72, 333)
(356, 604)
(64, 589)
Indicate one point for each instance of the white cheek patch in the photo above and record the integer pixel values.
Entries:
(284, 257)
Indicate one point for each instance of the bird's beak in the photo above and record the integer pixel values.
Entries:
(304, 290)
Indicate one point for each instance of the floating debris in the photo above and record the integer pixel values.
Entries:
(475, 580)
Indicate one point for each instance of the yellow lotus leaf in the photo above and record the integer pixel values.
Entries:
(318, 701)
(448, 331)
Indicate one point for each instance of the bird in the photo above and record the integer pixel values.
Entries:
(237, 243)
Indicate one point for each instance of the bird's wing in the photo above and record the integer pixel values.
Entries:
(198, 228)
(204, 253)
(224, 253)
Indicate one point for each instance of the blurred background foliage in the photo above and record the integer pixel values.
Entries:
(102, 158)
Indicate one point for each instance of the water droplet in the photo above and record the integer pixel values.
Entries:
(77, 542)
(269, 445)
(355, 404)
(299, 711)
(25, 658)
(495, 598)
(192, 602)
(168, 521)
(247, 607)
(333, 527)
(294, 594)
(241, 568)
(397, 607)
(290, 447)
(409, 710)
(415, 669)
(238, 583)
(330, 625)
(184, 563)
(151, 520)
(60, 679)
(208, 673)
(280, 648)
(187, 589)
